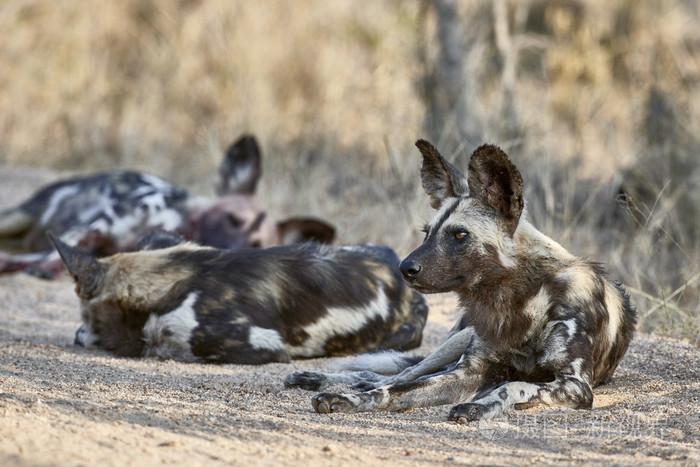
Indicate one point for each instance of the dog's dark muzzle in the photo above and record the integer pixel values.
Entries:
(423, 275)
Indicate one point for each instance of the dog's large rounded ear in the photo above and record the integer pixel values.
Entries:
(304, 229)
(84, 267)
(241, 168)
(440, 179)
(497, 183)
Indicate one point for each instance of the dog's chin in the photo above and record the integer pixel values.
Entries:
(443, 287)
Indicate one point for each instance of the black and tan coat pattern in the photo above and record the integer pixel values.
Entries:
(539, 325)
(250, 306)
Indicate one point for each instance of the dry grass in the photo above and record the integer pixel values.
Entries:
(578, 94)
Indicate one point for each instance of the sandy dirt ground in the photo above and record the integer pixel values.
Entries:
(65, 405)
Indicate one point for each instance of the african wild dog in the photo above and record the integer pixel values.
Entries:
(538, 324)
(195, 303)
(111, 211)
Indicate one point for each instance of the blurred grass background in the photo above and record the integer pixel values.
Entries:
(597, 102)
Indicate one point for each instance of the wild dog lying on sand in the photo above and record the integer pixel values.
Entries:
(539, 324)
(195, 303)
(111, 211)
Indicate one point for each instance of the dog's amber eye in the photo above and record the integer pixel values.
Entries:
(461, 235)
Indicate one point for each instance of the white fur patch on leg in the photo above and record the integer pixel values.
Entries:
(265, 339)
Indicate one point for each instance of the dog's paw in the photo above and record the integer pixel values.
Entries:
(469, 412)
(332, 403)
(309, 380)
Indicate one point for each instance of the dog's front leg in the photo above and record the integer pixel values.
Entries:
(457, 344)
(454, 385)
(460, 384)
(449, 352)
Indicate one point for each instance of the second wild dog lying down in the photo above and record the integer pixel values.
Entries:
(251, 306)
(539, 325)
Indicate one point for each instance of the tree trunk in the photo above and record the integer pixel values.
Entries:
(448, 119)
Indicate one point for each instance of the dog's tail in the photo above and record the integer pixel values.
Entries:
(387, 363)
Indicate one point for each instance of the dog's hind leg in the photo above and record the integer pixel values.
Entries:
(569, 363)
(568, 390)
(571, 385)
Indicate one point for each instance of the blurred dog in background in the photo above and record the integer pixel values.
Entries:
(110, 212)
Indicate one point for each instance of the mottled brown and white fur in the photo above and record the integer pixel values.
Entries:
(539, 325)
(252, 305)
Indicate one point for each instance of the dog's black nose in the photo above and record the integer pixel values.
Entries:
(409, 269)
